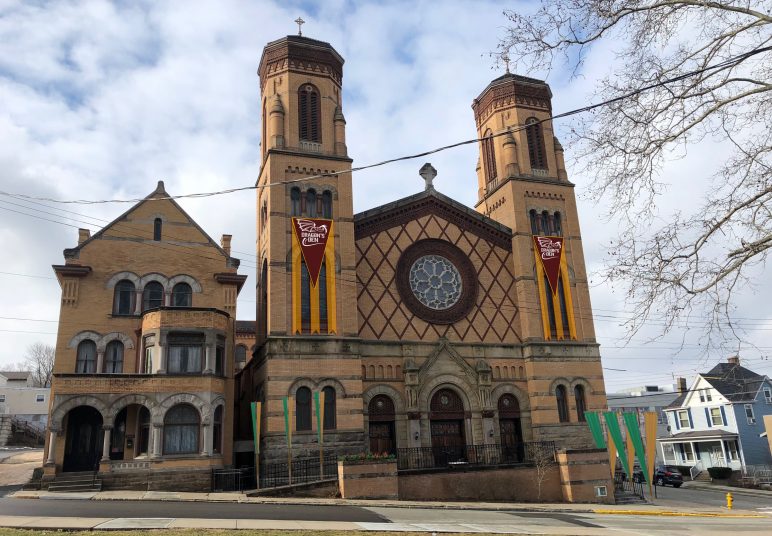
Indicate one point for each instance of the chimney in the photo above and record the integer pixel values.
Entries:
(733, 360)
(681, 385)
(83, 235)
(225, 243)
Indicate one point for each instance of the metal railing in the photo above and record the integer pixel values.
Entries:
(474, 455)
(628, 485)
(27, 430)
(233, 479)
(304, 470)
(696, 469)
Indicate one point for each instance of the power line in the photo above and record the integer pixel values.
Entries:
(716, 67)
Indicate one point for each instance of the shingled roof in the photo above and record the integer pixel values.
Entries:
(734, 381)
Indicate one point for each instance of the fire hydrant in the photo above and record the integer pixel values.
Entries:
(728, 501)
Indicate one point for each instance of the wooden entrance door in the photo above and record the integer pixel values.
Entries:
(82, 449)
(509, 428)
(447, 427)
(381, 425)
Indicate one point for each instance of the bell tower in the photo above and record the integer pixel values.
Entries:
(522, 183)
(307, 342)
(303, 152)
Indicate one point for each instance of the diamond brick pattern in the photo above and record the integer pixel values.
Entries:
(383, 316)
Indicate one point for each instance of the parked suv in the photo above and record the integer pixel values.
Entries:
(663, 475)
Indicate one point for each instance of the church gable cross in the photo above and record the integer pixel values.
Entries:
(300, 22)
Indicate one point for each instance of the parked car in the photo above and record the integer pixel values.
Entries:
(663, 475)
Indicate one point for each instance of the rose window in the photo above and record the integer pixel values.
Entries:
(436, 282)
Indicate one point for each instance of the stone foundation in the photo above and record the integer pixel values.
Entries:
(368, 480)
(583, 476)
(188, 479)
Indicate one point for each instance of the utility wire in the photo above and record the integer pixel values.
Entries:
(730, 62)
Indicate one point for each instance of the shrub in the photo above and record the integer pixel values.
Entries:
(684, 470)
(720, 473)
(367, 457)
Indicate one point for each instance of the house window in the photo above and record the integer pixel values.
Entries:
(688, 453)
(715, 417)
(705, 395)
(86, 360)
(38, 398)
(768, 395)
(749, 414)
(311, 203)
(562, 401)
(219, 358)
(241, 354)
(668, 452)
(114, 357)
(295, 201)
(148, 364)
(535, 138)
(303, 409)
(182, 295)
(217, 431)
(152, 295)
(661, 417)
(181, 430)
(308, 113)
(731, 450)
(157, 229)
(184, 354)
(123, 299)
(581, 405)
(683, 418)
(329, 408)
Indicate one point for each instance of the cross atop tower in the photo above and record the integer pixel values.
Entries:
(505, 59)
(300, 22)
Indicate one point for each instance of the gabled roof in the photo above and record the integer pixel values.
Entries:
(158, 193)
(734, 381)
(678, 402)
(431, 202)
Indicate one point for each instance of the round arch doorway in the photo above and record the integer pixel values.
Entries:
(381, 425)
(510, 429)
(446, 415)
(83, 446)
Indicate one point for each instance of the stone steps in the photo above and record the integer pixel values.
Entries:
(74, 482)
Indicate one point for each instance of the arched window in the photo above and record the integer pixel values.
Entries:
(241, 354)
(295, 201)
(311, 203)
(114, 357)
(309, 113)
(157, 229)
(329, 408)
(327, 204)
(323, 298)
(557, 224)
(563, 307)
(489, 156)
(562, 400)
(305, 299)
(303, 409)
(535, 137)
(123, 299)
(581, 404)
(86, 360)
(181, 425)
(217, 431)
(182, 295)
(547, 222)
(152, 295)
(550, 308)
(534, 223)
(263, 216)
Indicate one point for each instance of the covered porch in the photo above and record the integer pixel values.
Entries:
(702, 449)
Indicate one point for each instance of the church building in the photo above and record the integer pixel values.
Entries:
(425, 323)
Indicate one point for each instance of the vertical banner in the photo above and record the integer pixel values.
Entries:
(319, 406)
(550, 250)
(633, 432)
(650, 428)
(312, 235)
(612, 424)
(288, 422)
(612, 458)
(630, 449)
(593, 421)
(256, 408)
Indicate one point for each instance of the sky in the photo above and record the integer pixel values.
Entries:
(100, 100)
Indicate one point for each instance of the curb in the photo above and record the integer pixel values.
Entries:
(733, 491)
(674, 514)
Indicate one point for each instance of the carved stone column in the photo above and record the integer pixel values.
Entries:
(52, 433)
(107, 429)
(156, 451)
(100, 364)
(206, 448)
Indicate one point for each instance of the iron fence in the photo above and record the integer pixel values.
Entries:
(628, 485)
(475, 455)
(304, 470)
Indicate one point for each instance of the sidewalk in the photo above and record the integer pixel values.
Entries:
(625, 509)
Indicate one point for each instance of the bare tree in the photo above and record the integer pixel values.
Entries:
(39, 360)
(542, 456)
(688, 266)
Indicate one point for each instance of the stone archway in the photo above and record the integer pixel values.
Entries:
(447, 426)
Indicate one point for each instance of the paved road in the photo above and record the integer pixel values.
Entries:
(201, 510)
(702, 498)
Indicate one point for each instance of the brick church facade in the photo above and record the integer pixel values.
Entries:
(432, 324)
